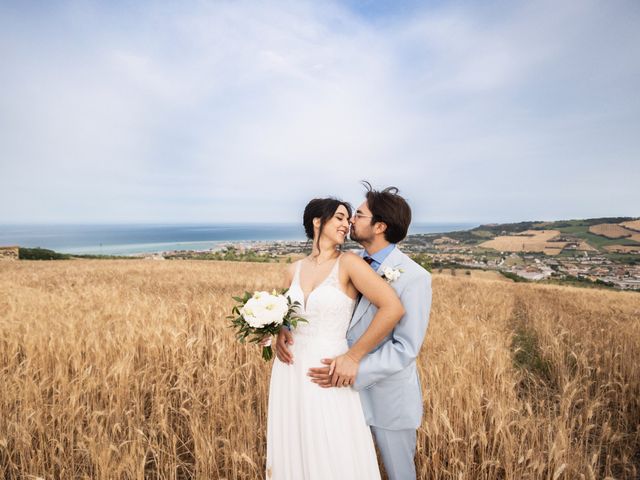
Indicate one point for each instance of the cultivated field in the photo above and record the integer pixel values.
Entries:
(610, 230)
(623, 248)
(584, 246)
(632, 224)
(125, 370)
(527, 241)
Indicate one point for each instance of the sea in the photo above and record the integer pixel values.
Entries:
(131, 239)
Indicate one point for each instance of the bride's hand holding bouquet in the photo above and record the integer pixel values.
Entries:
(260, 315)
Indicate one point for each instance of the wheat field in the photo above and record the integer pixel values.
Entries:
(126, 370)
(632, 224)
(527, 241)
(610, 230)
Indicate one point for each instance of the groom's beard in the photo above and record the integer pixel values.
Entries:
(353, 235)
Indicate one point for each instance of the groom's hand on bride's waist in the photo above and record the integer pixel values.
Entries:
(343, 370)
(343, 376)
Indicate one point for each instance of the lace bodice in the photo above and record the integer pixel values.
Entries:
(328, 309)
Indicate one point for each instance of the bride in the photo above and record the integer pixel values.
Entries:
(321, 433)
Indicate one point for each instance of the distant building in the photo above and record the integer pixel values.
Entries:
(9, 253)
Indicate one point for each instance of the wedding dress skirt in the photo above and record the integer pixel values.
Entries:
(316, 433)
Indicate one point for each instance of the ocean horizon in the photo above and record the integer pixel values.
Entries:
(129, 239)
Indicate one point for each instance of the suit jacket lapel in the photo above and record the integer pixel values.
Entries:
(392, 261)
(362, 306)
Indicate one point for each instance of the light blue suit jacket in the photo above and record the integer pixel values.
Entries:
(387, 377)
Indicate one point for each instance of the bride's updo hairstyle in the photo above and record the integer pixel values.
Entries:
(324, 209)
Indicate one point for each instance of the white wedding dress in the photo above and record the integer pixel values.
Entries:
(316, 433)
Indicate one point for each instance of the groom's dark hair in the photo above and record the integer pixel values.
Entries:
(391, 209)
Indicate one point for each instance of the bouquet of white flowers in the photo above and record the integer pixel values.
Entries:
(263, 314)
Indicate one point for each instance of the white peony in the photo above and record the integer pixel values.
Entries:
(264, 308)
(391, 274)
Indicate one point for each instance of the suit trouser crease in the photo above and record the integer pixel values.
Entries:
(397, 448)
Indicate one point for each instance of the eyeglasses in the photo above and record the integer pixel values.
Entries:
(361, 215)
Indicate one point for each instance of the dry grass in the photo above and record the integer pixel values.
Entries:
(584, 246)
(623, 248)
(124, 369)
(610, 230)
(527, 241)
(473, 273)
(632, 224)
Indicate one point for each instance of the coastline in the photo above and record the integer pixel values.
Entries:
(144, 240)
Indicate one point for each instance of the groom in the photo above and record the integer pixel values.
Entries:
(387, 377)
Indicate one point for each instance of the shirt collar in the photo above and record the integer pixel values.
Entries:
(381, 255)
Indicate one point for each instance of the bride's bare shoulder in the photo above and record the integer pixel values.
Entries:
(350, 258)
(290, 272)
(291, 267)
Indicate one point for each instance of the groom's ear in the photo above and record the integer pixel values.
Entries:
(380, 227)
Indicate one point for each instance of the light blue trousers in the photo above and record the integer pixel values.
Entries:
(398, 449)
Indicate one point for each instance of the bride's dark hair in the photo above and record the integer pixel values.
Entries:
(324, 209)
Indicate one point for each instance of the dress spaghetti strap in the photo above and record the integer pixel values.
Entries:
(296, 274)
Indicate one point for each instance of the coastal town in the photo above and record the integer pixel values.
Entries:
(585, 266)
(594, 252)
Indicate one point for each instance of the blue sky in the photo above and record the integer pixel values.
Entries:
(209, 111)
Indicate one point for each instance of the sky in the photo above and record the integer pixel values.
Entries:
(242, 111)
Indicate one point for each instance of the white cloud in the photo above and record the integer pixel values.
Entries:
(210, 111)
